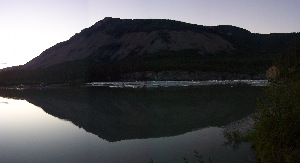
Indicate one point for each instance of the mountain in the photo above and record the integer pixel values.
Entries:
(113, 49)
(111, 40)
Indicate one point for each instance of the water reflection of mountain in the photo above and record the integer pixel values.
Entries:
(118, 114)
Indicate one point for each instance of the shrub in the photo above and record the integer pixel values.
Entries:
(276, 132)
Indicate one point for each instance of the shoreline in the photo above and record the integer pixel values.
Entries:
(156, 84)
(243, 126)
(141, 84)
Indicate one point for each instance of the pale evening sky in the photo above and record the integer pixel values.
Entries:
(28, 27)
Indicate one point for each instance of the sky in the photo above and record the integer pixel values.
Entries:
(28, 27)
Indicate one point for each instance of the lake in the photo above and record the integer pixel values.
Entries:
(100, 124)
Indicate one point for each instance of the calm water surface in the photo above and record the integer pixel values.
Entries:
(123, 125)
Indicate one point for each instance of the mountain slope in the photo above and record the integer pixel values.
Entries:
(106, 42)
(124, 49)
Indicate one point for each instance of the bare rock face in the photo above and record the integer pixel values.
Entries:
(112, 39)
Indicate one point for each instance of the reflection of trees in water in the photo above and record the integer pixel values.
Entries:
(118, 114)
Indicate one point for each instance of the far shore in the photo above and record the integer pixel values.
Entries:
(140, 84)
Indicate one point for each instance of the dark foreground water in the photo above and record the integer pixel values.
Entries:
(98, 124)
